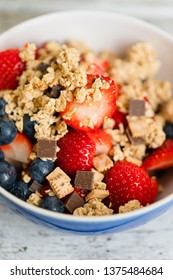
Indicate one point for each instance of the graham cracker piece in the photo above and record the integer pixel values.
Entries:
(97, 193)
(60, 182)
(102, 162)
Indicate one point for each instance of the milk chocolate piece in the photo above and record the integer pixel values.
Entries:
(134, 140)
(35, 186)
(136, 107)
(84, 180)
(46, 148)
(73, 201)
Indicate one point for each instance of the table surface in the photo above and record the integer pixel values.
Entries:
(20, 239)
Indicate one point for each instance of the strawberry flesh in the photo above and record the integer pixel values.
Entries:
(19, 149)
(102, 141)
(91, 114)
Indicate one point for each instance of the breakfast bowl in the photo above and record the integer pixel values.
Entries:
(100, 31)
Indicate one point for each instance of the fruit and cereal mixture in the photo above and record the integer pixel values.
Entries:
(81, 132)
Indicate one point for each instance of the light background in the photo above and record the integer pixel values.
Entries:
(20, 239)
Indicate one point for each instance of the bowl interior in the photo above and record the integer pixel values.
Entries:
(101, 31)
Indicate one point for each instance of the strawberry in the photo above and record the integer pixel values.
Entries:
(126, 181)
(45, 188)
(98, 67)
(102, 141)
(81, 192)
(90, 114)
(119, 118)
(19, 149)
(76, 152)
(11, 67)
(95, 69)
(161, 157)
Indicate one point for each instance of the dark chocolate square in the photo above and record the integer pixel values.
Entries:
(136, 107)
(35, 186)
(46, 148)
(134, 140)
(73, 201)
(84, 180)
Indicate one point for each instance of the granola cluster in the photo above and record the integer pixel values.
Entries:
(55, 75)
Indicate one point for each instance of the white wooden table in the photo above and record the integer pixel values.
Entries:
(20, 239)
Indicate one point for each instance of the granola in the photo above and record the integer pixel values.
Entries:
(62, 82)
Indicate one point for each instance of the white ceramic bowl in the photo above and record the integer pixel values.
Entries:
(100, 30)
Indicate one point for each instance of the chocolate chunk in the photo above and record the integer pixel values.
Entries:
(136, 107)
(84, 180)
(55, 91)
(43, 67)
(134, 140)
(35, 186)
(46, 148)
(73, 201)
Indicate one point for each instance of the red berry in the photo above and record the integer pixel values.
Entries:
(11, 67)
(81, 192)
(76, 152)
(90, 114)
(119, 118)
(102, 140)
(99, 67)
(127, 181)
(45, 188)
(161, 157)
(19, 149)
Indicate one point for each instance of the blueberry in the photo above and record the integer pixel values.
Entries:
(21, 190)
(168, 129)
(52, 203)
(2, 107)
(8, 175)
(39, 169)
(2, 156)
(8, 131)
(28, 127)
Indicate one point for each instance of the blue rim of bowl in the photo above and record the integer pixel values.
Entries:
(88, 219)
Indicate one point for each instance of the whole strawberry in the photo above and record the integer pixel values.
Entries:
(127, 181)
(76, 152)
(11, 67)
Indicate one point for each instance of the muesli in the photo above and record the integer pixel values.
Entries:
(80, 131)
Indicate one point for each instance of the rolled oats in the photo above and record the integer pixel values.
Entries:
(94, 207)
(130, 206)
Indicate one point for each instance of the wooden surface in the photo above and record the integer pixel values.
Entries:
(20, 239)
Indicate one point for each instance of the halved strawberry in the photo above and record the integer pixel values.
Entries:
(119, 118)
(98, 67)
(11, 67)
(161, 157)
(95, 69)
(102, 141)
(90, 114)
(19, 149)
